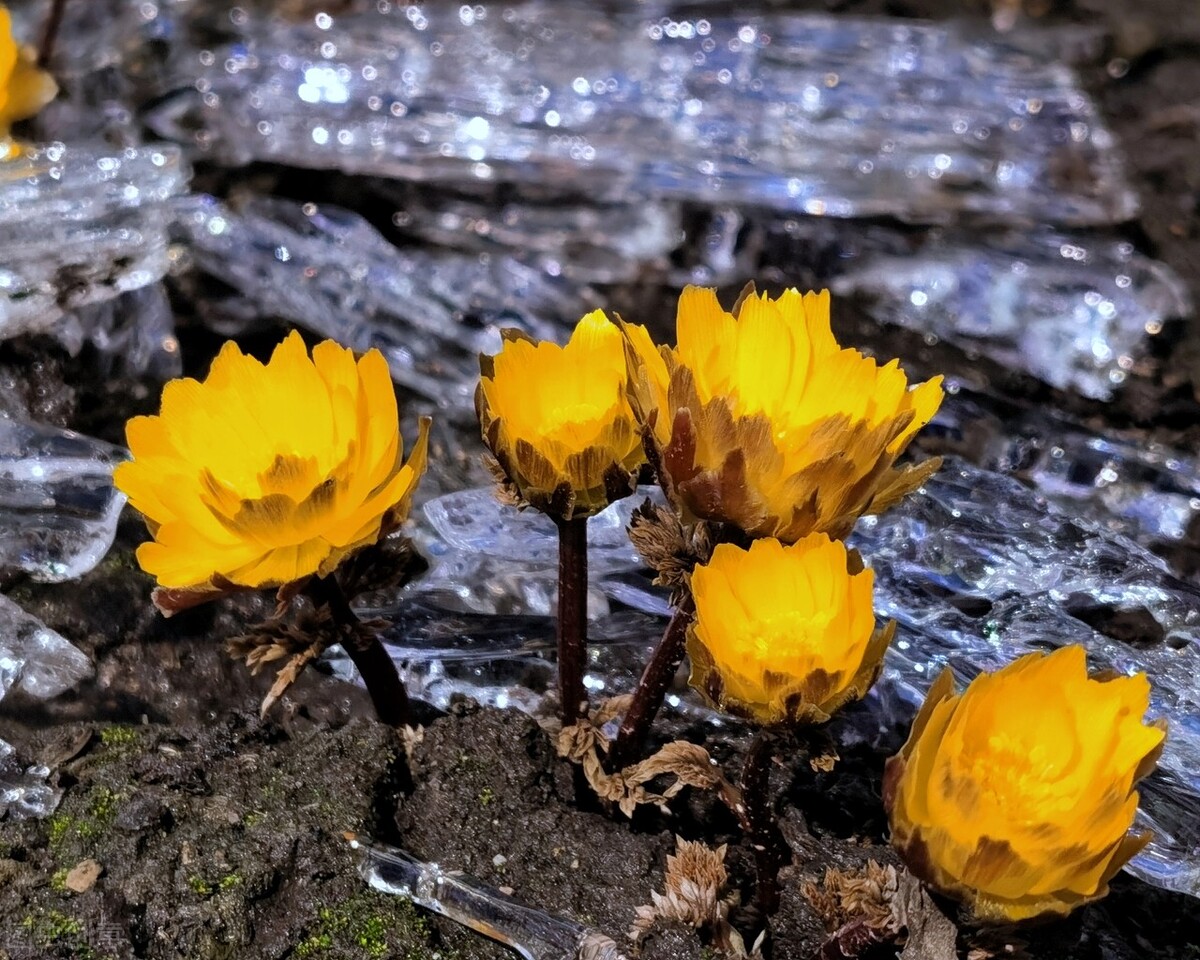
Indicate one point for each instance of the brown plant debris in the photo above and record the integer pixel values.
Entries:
(825, 761)
(694, 882)
(864, 895)
(693, 886)
(689, 764)
(301, 641)
(875, 905)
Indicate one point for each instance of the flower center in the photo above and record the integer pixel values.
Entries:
(1022, 778)
(788, 636)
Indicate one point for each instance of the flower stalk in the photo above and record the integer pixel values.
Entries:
(762, 830)
(50, 33)
(572, 618)
(362, 643)
(652, 688)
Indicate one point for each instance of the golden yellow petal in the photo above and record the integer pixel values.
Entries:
(29, 89)
(649, 378)
(8, 51)
(704, 333)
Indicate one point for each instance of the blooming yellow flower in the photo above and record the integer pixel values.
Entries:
(24, 89)
(264, 474)
(558, 419)
(764, 421)
(784, 634)
(1017, 795)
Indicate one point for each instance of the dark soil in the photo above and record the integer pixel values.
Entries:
(220, 835)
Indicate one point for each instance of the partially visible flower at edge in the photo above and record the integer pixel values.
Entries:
(784, 634)
(262, 475)
(1017, 795)
(558, 420)
(764, 421)
(24, 89)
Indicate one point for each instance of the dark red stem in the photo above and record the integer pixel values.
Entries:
(50, 32)
(770, 849)
(370, 656)
(572, 618)
(652, 688)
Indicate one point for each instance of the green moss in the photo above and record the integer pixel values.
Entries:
(486, 796)
(75, 835)
(119, 736)
(53, 929)
(364, 926)
(49, 926)
(200, 886)
(59, 826)
(58, 881)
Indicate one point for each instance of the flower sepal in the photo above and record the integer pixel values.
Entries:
(794, 702)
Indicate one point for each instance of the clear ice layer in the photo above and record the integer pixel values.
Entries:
(1143, 490)
(976, 568)
(58, 506)
(1072, 310)
(326, 269)
(583, 241)
(79, 227)
(40, 663)
(835, 116)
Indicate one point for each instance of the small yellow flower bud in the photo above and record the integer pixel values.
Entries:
(558, 419)
(784, 634)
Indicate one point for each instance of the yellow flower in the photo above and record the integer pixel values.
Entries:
(264, 474)
(784, 634)
(764, 421)
(1017, 795)
(24, 89)
(558, 419)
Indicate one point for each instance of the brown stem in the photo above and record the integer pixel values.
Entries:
(770, 850)
(50, 32)
(652, 688)
(376, 668)
(572, 618)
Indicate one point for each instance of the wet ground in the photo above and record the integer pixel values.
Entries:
(217, 834)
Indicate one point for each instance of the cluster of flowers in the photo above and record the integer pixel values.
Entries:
(1016, 795)
(770, 440)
